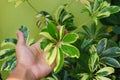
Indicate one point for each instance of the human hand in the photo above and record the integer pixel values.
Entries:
(30, 60)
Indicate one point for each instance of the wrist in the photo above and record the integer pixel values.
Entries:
(21, 73)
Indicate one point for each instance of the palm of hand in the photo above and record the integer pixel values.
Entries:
(31, 57)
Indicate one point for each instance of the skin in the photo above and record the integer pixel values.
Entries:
(31, 62)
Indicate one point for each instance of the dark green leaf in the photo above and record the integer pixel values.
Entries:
(59, 11)
(93, 29)
(7, 64)
(111, 61)
(111, 52)
(86, 29)
(13, 66)
(67, 17)
(6, 53)
(86, 43)
(43, 18)
(9, 41)
(101, 45)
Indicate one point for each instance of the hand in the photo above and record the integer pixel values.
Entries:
(31, 62)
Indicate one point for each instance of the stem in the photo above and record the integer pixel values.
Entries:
(32, 6)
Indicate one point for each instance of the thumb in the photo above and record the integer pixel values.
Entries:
(20, 36)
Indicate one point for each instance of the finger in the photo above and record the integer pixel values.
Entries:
(21, 39)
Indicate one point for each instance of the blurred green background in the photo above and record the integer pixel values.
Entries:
(12, 18)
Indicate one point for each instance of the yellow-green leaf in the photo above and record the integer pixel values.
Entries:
(105, 71)
(84, 76)
(48, 47)
(101, 78)
(59, 61)
(47, 35)
(61, 32)
(94, 59)
(52, 56)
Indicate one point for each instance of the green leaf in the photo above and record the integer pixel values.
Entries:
(24, 29)
(93, 29)
(70, 38)
(111, 52)
(97, 3)
(12, 63)
(86, 43)
(114, 9)
(102, 78)
(103, 15)
(48, 47)
(43, 18)
(48, 36)
(58, 12)
(101, 45)
(59, 61)
(13, 66)
(66, 17)
(52, 56)
(84, 76)
(111, 61)
(61, 32)
(105, 71)
(7, 64)
(6, 53)
(7, 41)
(70, 50)
(86, 29)
(44, 43)
(93, 60)
(4, 66)
(53, 31)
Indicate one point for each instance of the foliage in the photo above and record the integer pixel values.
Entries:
(94, 33)
(61, 17)
(57, 44)
(9, 54)
(113, 21)
(95, 73)
(94, 56)
(108, 54)
(99, 9)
